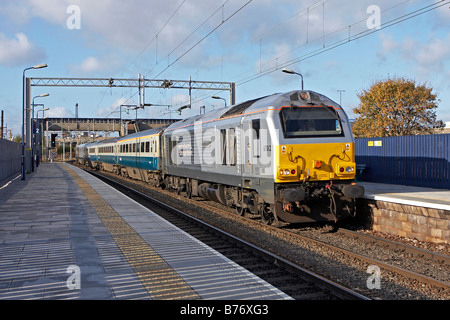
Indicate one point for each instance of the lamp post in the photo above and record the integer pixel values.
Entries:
(216, 97)
(33, 133)
(293, 72)
(39, 149)
(39, 66)
(340, 96)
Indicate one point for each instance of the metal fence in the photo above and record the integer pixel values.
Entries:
(10, 158)
(408, 160)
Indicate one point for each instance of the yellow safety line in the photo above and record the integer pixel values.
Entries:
(158, 278)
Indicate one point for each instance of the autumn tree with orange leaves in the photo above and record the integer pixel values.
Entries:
(396, 107)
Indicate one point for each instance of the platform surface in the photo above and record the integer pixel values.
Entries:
(415, 196)
(66, 235)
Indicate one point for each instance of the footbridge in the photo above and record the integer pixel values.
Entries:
(123, 126)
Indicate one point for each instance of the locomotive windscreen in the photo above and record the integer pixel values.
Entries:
(300, 122)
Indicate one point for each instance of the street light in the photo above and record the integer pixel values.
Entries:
(216, 97)
(33, 134)
(39, 66)
(41, 143)
(293, 72)
(182, 108)
(340, 96)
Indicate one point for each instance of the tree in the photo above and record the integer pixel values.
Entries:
(17, 138)
(396, 107)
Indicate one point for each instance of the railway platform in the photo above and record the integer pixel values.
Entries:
(409, 195)
(64, 234)
(412, 212)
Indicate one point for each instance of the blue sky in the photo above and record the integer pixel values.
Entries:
(251, 42)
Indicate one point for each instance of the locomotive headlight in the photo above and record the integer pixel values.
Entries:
(287, 173)
(345, 168)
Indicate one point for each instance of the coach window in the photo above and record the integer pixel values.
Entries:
(223, 138)
(147, 146)
(256, 126)
(232, 145)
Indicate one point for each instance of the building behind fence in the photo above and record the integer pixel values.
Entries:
(10, 158)
(409, 160)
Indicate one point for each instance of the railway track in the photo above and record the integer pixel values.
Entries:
(297, 282)
(420, 253)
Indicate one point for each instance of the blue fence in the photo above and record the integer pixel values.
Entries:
(10, 158)
(409, 160)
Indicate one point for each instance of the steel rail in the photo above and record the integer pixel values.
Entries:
(406, 273)
(434, 256)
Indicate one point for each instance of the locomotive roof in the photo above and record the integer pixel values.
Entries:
(145, 133)
(97, 143)
(276, 100)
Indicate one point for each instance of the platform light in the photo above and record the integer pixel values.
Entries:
(39, 66)
(216, 97)
(293, 72)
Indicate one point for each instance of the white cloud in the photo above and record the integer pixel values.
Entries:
(114, 109)
(387, 44)
(88, 65)
(433, 54)
(95, 66)
(58, 112)
(426, 56)
(19, 51)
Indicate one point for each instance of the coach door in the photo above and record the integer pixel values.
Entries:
(251, 146)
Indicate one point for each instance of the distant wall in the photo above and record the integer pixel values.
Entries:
(422, 160)
(10, 158)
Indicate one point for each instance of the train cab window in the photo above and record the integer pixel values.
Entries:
(301, 122)
(256, 126)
